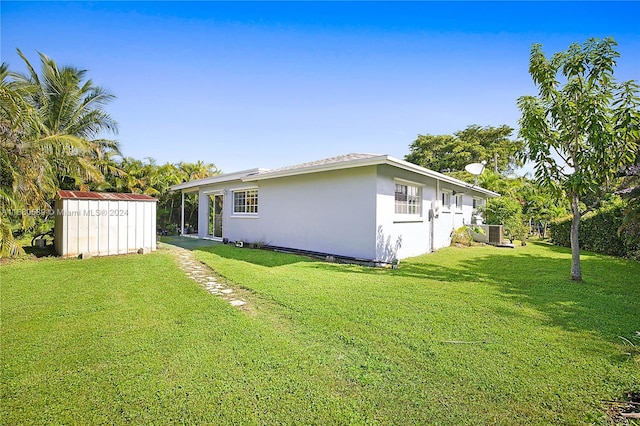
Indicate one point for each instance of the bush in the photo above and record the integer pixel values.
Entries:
(464, 235)
(508, 212)
(599, 233)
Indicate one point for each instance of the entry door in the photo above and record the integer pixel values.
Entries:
(215, 214)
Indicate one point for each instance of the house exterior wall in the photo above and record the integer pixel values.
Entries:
(348, 212)
(104, 227)
(330, 212)
(402, 236)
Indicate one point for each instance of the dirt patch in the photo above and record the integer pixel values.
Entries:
(626, 411)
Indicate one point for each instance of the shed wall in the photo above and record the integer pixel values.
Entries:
(104, 227)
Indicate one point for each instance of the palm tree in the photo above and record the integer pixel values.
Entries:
(70, 120)
(192, 171)
(49, 139)
(16, 117)
(198, 170)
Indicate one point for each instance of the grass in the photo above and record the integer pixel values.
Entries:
(462, 336)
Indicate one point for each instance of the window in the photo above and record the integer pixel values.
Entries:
(446, 199)
(408, 200)
(245, 201)
(458, 201)
(477, 202)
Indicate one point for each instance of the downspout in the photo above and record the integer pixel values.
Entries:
(453, 212)
(182, 215)
(433, 216)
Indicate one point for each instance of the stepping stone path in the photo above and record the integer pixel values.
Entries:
(205, 276)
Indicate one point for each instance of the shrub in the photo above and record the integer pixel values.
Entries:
(508, 212)
(464, 235)
(599, 233)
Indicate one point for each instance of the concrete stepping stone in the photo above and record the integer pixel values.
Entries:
(202, 274)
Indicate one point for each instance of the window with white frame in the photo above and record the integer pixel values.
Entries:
(458, 201)
(477, 202)
(408, 199)
(446, 199)
(245, 201)
(476, 217)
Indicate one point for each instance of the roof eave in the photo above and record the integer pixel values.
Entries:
(436, 175)
(361, 162)
(254, 175)
(211, 180)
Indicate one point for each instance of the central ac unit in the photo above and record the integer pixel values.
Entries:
(496, 234)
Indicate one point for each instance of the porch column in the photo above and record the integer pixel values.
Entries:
(182, 216)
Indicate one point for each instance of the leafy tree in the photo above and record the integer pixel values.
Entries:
(506, 211)
(450, 153)
(17, 119)
(541, 207)
(581, 128)
(505, 186)
(631, 193)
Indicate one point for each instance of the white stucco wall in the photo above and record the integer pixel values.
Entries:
(401, 236)
(330, 212)
(348, 212)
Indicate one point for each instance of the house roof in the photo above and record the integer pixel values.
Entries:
(348, 158)
(361, 160)
(115, 196)
(333, 163)
(194, 184)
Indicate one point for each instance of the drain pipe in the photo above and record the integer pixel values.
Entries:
(182, 216)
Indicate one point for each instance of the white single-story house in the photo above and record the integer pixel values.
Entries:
(370, 207)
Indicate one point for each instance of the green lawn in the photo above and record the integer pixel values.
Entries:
(462, 336)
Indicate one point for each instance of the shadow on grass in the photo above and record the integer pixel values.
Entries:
(257, 257)
(38, 252)
(265, 258)
(188, 243)
(605, 303)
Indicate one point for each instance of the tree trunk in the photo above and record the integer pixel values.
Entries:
(576, 273)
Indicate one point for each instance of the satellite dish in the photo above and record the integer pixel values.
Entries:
(475, 169)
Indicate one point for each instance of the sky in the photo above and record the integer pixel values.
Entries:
(271, 84)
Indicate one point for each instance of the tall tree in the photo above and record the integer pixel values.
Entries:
(71, 115)
(582, 128)
(50, 126)
(450, 153)
(16, 119)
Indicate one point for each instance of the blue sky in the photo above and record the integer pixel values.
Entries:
(265, 84)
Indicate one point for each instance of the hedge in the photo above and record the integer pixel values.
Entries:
(599, 233)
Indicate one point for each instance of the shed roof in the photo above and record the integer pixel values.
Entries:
(114, 196)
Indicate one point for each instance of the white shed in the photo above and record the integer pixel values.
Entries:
(104, 224)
